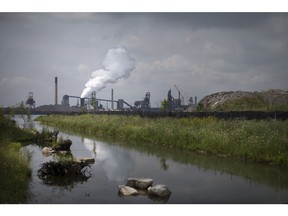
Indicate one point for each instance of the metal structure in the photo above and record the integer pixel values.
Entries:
(65, 100)
(112, 96)
(120, 104)
(95, 102)
(56, 91)
(191, 101)
(143, 104)
(175, 104)
(180, 93)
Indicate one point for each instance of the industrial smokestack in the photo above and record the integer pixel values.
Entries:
(56, 91)
(112, 96)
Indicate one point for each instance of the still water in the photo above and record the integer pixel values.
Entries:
(191, 177)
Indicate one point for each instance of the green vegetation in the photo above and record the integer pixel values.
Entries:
(164, 105)
(258, 102)
(250, 104)
(15, 172)
(262, 141)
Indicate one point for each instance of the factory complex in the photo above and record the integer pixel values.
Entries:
(93, 103)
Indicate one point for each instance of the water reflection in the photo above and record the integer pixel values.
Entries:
(273, 176)
(90, 145)
(154, 199)
(116, 163)
(157, 199)
(64, 182)
(192, 178)
(163, 163)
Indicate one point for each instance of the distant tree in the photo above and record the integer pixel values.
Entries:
(164, 105)
(200, 107)
(94, 104)
(11, 112)
(24, 113)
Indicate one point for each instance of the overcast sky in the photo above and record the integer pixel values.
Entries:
(202, 53)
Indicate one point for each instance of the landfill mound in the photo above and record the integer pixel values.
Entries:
(237, 98)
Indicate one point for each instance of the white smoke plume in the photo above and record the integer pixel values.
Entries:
(116, 65)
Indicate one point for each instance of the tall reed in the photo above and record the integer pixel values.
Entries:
(263, 141)
(15, 169)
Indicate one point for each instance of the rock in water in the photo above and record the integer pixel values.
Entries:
(47, 151)
(127, 191)
(159, 190)
(139, 183)
(86, 160)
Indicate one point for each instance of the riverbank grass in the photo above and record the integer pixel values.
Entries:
(253, 140)
(15, 171)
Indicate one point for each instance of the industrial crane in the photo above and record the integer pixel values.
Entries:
(179, 93)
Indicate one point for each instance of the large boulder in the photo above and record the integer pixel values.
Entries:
(124, 190)
(139, 183)
(159, 190)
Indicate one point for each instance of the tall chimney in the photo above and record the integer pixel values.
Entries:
(112, 99)
(56, 91)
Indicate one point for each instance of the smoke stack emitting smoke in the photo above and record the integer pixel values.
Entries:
(117, 64)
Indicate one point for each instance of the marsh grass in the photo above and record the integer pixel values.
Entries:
(253, 140)
(15, 171)
(15, 174)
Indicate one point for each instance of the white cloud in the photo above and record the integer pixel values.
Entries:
(17, 81)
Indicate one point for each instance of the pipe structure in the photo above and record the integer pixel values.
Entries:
(56, 91)
(112, 96)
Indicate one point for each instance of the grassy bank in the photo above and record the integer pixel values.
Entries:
(261, 141)
(14, 166)
(250, 104)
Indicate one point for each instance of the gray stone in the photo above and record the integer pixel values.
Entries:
(127, 191)
(139, 183)
(159, 190)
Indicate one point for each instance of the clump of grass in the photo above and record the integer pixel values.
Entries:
(263, 141)
(15, 171)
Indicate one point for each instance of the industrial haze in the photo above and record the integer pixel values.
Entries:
(201, 53)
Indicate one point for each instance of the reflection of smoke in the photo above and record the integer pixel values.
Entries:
(116, 65)
(90, 145)
(116, 163)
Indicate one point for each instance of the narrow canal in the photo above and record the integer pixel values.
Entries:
(191, 177)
